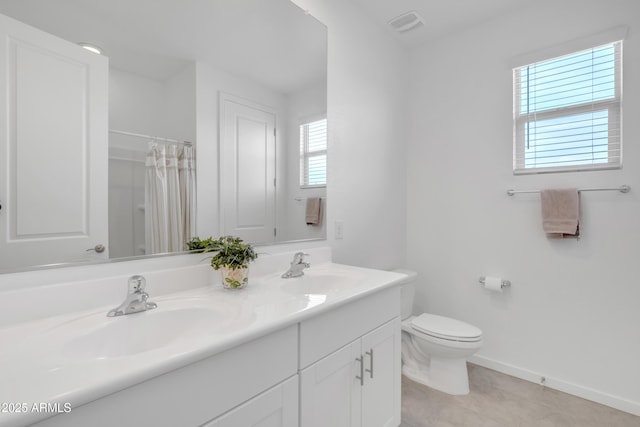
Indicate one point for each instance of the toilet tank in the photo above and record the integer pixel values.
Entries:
(407, 292)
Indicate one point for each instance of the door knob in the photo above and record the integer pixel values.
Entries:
(99, 248)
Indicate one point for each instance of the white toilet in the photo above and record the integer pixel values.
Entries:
(435, 348)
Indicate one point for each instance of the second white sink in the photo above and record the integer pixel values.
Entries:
(321, 282)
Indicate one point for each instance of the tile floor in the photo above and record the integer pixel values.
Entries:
(499, 400)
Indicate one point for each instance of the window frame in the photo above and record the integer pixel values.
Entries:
(306, 154)
(613, 106)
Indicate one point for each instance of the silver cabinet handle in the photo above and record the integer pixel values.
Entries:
(361, 377)
(370, 370)
(99, 248)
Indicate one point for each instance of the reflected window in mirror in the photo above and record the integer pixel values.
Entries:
(313, 153)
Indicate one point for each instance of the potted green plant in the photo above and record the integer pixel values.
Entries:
(198, 245)
(232, 257)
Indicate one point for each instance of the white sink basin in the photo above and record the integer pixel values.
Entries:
(140, 332)
(321, 282)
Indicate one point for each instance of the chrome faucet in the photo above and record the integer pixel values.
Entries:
(297, 265)
(136, 300)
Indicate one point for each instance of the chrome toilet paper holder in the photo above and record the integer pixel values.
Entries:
(503, 284)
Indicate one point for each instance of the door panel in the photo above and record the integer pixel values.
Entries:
(247, 169)
(53, 154)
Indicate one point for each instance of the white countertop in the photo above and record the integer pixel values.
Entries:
(60, 360)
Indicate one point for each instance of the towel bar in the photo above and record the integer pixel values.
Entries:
(300, 199)
(622, 189)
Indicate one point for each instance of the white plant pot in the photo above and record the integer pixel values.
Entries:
(234, 278)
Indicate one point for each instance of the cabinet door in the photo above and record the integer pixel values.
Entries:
(277, 407)
(330, 393)
(381, 390)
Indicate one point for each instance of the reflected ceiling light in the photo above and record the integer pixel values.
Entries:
(407, 21)
(91, 48)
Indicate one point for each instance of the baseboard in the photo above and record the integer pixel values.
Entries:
(558, 384)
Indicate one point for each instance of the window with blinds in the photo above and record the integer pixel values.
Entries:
(313, 153)
(567, 112)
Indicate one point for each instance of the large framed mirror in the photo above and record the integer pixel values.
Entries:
(234, 89)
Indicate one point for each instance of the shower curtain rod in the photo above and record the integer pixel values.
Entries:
(156, 138)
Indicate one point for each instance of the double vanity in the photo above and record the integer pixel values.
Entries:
(322, 349)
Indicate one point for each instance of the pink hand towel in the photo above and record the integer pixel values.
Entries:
(560, 212)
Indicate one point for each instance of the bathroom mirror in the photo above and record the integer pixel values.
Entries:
(170, 63)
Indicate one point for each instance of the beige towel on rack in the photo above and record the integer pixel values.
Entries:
(312, 215)
(560, 212)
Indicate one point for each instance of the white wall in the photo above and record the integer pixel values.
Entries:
(126, 205)
(136, 103)
(572, 312)
(152, 107)
(180, 105)
(366, 112)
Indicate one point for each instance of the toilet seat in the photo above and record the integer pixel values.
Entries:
(446, 328)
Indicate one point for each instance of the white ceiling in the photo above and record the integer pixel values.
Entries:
(273, 42)
(441, 17)
(269, 41)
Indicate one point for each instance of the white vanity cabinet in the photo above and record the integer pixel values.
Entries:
(357, 384)
(198, 393)
(277, 407)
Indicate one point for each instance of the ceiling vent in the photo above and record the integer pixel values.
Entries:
(406, 22)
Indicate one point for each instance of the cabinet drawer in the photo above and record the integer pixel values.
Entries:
(194, 394)
(328, 332)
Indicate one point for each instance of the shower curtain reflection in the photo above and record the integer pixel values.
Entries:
(169, 197)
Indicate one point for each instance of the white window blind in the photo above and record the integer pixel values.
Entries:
(313, 153)
(567, 112)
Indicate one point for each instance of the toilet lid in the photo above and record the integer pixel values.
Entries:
(446, 328)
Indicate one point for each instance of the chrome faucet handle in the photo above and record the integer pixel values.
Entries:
(137, 284)
(298, 258)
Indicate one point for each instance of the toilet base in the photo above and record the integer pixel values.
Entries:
(446, 375)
